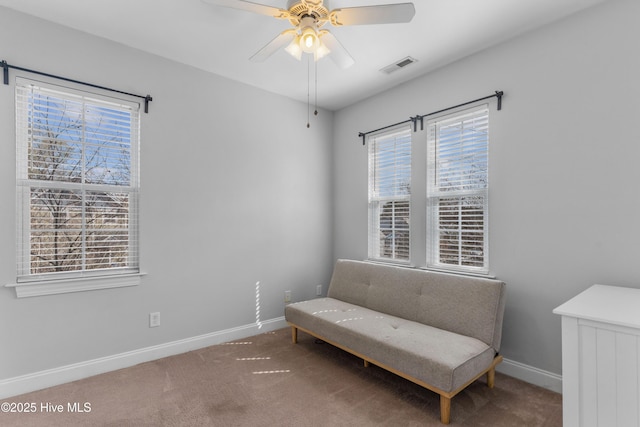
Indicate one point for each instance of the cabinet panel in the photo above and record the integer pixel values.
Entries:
(606, 374)
(627, 375)
(588, 378)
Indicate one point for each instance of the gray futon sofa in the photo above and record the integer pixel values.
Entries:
(441, 331)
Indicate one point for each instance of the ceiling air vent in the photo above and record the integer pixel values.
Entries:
(398, 65)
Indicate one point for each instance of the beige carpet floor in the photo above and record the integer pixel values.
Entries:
(268, 381)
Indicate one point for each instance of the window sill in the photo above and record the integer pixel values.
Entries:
(63, 286)
(485, 274)
(397, 263)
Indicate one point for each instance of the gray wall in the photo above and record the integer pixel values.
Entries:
(564, 172)
(235, 190)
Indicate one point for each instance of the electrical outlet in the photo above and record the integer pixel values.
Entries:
(287, 297)
(318, 290)
(154, 319)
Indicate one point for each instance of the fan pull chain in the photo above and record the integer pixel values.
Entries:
(308, 91)
(315, 113)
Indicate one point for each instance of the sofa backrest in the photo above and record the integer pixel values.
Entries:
(471, 306)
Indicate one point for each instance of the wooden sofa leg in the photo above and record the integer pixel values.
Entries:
(491, 377)
(294, 335)
(445, 409)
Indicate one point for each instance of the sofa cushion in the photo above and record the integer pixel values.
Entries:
(438, 357)
(471, 306)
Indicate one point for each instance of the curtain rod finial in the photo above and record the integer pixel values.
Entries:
(146, 103)
(6, 71)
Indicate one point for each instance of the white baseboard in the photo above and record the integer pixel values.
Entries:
(535, 376)
(64, 374)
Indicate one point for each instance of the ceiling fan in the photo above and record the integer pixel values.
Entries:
(308, 17)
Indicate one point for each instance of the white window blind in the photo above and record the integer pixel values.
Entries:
(457, 191)
(77, 183)
(389, 195)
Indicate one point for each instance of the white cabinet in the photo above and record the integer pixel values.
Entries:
(601, 357)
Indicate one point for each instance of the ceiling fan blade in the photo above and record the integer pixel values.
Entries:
(262, 9)
(338, 53)
(380, 14)
(280, 41)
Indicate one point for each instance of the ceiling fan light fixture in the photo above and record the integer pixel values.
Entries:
(309, 40)
(321, 51)
(294, 48)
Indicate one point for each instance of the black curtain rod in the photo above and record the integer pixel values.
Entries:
(6, 67)
(415, 119)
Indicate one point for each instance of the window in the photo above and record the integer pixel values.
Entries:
(77, 184)
(389, 195)
(457, 191)
(454, 207)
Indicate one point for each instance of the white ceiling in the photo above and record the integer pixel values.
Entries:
(221, 40)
